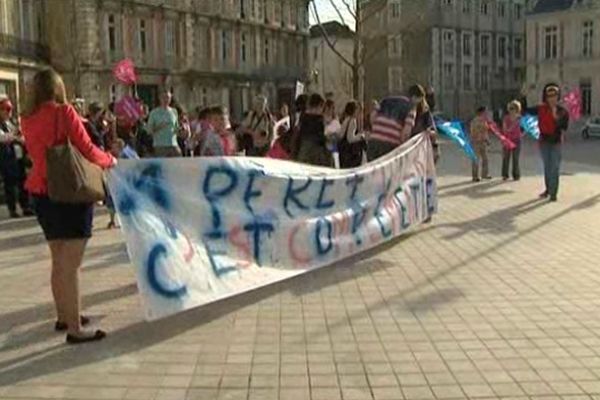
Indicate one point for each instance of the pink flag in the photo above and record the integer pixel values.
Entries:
(506, 142)
(574, 104)
(124, 72)
(128, 109)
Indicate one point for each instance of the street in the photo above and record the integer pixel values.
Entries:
(497, 298)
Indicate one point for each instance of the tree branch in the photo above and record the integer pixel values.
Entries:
(337, 10)
(350, 10)
(327, 39)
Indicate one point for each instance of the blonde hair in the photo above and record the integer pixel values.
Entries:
(47, 85)
(514, 105)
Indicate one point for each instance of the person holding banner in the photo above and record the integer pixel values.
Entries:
(163, 125)
(392, 126)
(553, 123)
(424, 120)
(67, 227)
(352, 143)
(511, 126)
(480, 140)
(312, 143)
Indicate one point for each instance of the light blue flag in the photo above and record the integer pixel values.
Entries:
(456, 132)
(531, 126)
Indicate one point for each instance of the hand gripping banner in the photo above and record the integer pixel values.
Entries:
(203, 229)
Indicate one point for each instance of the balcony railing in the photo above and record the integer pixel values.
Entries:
(18, 47)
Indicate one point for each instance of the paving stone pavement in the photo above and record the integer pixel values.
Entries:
(498, 298)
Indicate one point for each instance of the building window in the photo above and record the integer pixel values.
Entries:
(448, 39)
(467, 72)
(243, 48)
(142, 36)
(550, 42)
(395, 6)
(316, 53)
(242, 9)
(518, 48)
(467, 6)
(449, 75)
(204, 97)
(224, 49)
(112, 32)
(485, 8)
(502, 47)
(267, 52)
(588, 37)
(485, 77)
(395, 46)
(113, 93)
(518, 11)
(170, 38)
(395, 79)
(265, 7)
(586, 98)
(467, 44)
(485, 46)
(502, 9)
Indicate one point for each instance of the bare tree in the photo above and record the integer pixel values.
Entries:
(359, 16)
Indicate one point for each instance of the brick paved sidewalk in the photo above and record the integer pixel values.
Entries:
(498, 298)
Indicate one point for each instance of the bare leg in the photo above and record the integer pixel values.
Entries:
(72, 255)
(56, 279)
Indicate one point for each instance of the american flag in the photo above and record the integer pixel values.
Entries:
(386, 129)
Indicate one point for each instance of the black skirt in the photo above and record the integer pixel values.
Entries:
(63, 221)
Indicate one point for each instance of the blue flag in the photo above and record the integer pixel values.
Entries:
(456, 132)
(530, 125)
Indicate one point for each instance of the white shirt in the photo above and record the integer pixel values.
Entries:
(350, 130)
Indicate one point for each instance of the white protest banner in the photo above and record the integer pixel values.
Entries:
(203, 229)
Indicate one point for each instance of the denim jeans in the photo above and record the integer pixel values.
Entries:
(551, 156)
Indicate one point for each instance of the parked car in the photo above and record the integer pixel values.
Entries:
(591, 128)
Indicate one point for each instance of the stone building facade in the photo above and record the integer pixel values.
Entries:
(564, 48)
(207, 51)
(21, 49)
(329, 75)
(472, 52)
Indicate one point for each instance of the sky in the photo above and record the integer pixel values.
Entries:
(327, 11)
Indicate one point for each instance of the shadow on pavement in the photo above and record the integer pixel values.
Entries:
(400, 297)
(495, 222)
(144, 334)
(430, 301)
(44, 312)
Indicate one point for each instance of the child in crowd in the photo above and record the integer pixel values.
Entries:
(480, 141)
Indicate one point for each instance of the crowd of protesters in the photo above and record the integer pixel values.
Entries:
(313, 131)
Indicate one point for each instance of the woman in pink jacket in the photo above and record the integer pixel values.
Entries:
(511, 126)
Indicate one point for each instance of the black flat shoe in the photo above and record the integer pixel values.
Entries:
(62, 326)
(98, 335)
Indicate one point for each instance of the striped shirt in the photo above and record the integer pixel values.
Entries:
(389, 130)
